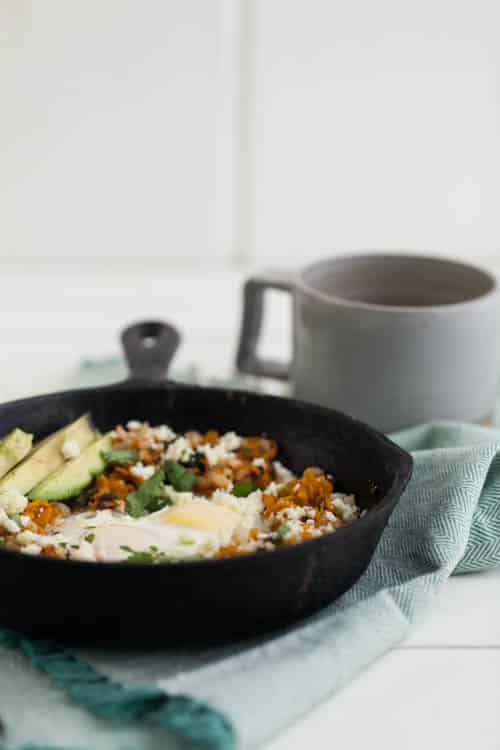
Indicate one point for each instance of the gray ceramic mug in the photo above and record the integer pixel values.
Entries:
(393, 340)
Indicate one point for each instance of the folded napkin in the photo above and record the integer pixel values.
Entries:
(447, 523)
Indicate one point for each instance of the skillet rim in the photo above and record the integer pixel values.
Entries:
(399, 483)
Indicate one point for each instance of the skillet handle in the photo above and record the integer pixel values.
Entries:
(149, 347)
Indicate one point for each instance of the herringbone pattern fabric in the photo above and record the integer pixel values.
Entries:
(457, 468)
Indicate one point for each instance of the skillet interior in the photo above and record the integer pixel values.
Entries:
(221, 599)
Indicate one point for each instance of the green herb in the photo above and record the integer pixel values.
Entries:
(74, 546)
(282, 531)
(178, 476)
(149, 498)
(140, 557)
(144, 556)
(186, 540)
(120, 457)
(2, 540)
(63, 544)
(243, 489)
(90, 538)
(153, 555)
(87, 528)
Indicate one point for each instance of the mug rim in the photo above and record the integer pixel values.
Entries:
(336, 299)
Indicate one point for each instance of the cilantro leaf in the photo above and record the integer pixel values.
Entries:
(137, 555)
(149, 498)
(243, 489)
(178, 476)
(120, 457)
(153, 555)
(90, 538)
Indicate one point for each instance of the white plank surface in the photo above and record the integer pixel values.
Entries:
(408, 701)
(465, 614)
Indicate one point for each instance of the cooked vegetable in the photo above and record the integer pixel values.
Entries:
(124, 457)
(13, 448)
(243, 489)
(69, 480)
(47, 456)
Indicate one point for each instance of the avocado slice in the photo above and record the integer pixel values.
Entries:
(13, 448)
(46, 456)
(69, 480)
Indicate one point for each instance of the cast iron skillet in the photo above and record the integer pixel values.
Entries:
(214, 599)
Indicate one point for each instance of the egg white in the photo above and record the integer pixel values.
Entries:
(194, 527)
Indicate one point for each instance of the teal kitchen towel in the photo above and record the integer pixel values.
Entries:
(447, 523)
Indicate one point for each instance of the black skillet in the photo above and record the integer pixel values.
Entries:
(159, 604)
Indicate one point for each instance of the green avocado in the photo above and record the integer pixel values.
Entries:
(13, 448)
(69, 480)
(47, 456)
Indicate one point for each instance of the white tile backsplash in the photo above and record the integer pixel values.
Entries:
(231, 131)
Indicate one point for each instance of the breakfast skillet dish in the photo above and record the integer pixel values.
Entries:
(145, 494)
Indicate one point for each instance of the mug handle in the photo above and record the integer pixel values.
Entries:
(247, 359)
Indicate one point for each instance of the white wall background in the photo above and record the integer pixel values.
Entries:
(247, 130)
(108, 128)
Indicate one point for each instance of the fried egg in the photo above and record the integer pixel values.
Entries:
(193, 528)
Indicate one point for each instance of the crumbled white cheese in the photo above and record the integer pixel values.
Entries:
(259, 462)
(293, 513)
(214, 454)
(176, 498)
(347, 499)
(346, 506)
(7, 523)
(283, 474)
(179, 450)
(290, 529)
(70, 449)
(12, 501)
(31, 549)
(29, 537)
(141, 471)
(222, 497)
(164, 433)
(134, 424)
(248, 509)
(223, 450)
(231, 441)
(273, 488)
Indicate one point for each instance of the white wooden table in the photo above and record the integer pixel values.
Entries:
(439, 689)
